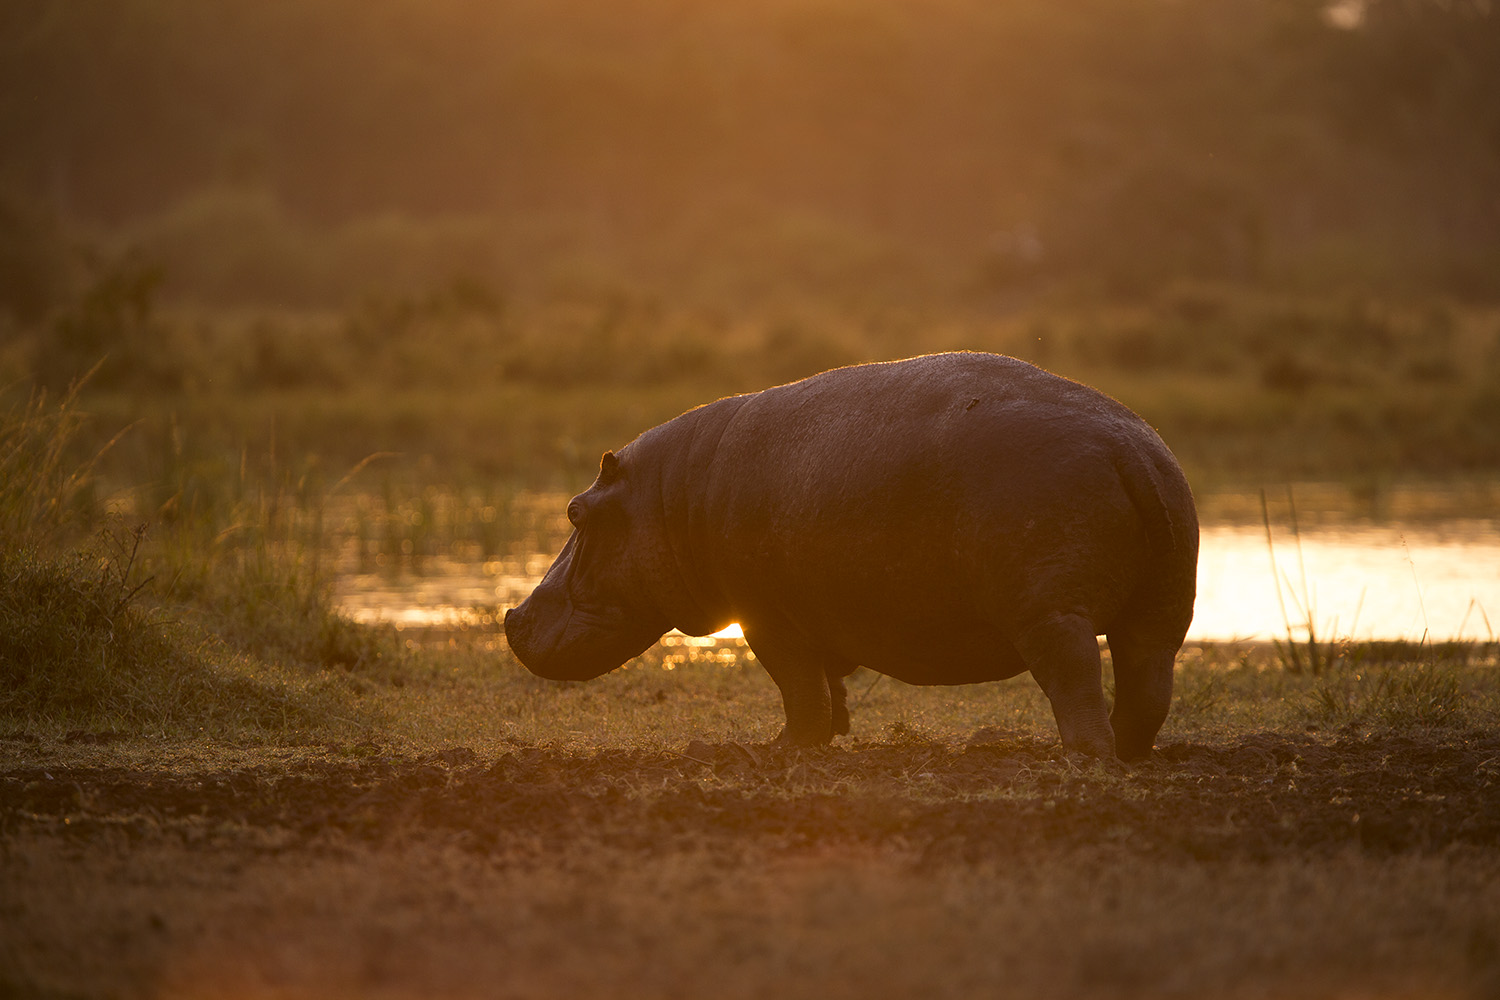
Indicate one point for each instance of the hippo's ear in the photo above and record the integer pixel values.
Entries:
(609, 468)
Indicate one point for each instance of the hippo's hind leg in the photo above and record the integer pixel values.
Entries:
(1143, 689)
(840, 699)
(812, 691)
(1062, 652)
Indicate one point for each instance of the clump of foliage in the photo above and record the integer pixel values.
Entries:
(90, 635)
(243, 549)
(34, 261)
(79, 649)
(1420, 694)
(112, 334)
(73, 639)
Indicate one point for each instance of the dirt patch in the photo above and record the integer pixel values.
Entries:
(1259, 797)
(1268, 865)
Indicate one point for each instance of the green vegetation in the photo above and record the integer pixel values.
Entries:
(81, 653)
(498, 238)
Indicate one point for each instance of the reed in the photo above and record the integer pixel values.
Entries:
(1310, 655)
(46, 489)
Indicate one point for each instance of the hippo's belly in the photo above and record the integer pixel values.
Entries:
(924, 612)
(965, 655)
(905, 626)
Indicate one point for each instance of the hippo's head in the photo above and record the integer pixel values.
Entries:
(590, 614)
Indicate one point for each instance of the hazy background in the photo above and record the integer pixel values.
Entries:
(299, 153)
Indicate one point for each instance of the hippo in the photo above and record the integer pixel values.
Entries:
(947, 519)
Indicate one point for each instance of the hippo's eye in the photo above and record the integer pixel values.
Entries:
(575, 514)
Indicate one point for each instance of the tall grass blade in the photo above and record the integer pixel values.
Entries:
(1290, 656)
(1315, 657)
(1416, 582)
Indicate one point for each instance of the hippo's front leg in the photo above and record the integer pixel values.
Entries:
(804, 679)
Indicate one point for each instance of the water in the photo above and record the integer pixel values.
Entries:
(1441, 581)
(1438, 579)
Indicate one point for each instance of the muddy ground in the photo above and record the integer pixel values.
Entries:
(1272, 865)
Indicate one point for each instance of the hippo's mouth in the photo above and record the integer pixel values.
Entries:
(572, 642)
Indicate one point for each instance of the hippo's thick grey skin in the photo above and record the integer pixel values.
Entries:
(945, 520)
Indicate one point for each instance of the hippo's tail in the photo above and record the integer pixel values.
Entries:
(1164, 503)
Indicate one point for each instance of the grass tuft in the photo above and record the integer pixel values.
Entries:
(80, 651)
(91, 639)
(72, 640)
(46, 493)
(1423, 694)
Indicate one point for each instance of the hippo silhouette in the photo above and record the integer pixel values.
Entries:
(946, 519)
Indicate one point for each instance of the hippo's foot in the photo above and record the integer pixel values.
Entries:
(1093, 745)
(1132, 750)
(841, 723)
(789, 738)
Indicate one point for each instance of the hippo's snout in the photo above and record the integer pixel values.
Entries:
(534, 631)
(554, 639)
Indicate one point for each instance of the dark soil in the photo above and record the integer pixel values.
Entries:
(1259, 797)
(1270, 865)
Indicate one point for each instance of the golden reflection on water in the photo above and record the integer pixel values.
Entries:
(1440, 580)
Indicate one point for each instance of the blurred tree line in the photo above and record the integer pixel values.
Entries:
(297, 151)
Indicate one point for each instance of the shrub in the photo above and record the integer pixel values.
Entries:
(111, 335)
(34, 262)
(75, 643)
